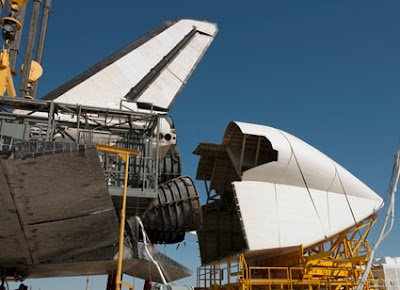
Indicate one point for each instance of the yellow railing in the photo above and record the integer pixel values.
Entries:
(124, 154)
(299, 277)
(335, 263)
(214, 275)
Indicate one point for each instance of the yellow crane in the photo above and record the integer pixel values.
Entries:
(10, 26)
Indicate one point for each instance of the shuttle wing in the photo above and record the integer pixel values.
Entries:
(147, 74)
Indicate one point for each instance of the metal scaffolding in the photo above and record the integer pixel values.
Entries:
(336, 263)
(47, 121)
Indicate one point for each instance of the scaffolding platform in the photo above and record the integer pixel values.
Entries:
(333, 264)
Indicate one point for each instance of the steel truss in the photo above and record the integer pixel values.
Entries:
(48, 121)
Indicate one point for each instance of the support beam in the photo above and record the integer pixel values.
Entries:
(30, 44)
(124, 154)
(257, 151)
(41, 40)
(242, 153)
(111, 282)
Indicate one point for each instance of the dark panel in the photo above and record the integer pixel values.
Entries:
(14, 249)
(57, 186)
(220, 236)
(100, 262)
(68, 237)
(58, 204)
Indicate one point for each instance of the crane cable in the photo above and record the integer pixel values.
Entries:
(347, 198)
(389, 214)
(305, 183)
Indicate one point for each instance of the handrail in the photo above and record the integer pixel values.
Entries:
(244, 279)
(124, 154)
(288, 277)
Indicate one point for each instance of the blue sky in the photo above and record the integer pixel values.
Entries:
(325, 71)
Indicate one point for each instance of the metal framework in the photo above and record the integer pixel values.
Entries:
(26, 119)
(126, 150)
(336, 263)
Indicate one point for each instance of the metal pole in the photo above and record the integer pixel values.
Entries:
(157, 151)
(136, 240)
(29, 47)
(389, 214)
(14, 49)
(124, 154)
(122, 225)
(242, 153)
(41, 40)
(258, 151)
(50, 127)
(78, 134)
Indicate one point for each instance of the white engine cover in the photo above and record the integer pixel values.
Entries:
(301, 199)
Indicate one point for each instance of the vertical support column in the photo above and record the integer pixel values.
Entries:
(41, 40)
(78, 133)
(143, 165)
(124, 154)
(198, 277)
(118, 279)
(229, 271)
(213, 273)
(210, 276)
(257, 151)
(148, 161)
(50, 123)
(136, 240)
(30, 44)
(242, 153)
(157, 150)
(111, 282)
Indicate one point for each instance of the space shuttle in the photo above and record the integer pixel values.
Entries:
(269, 192)
(145, 76)
(58, 209)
